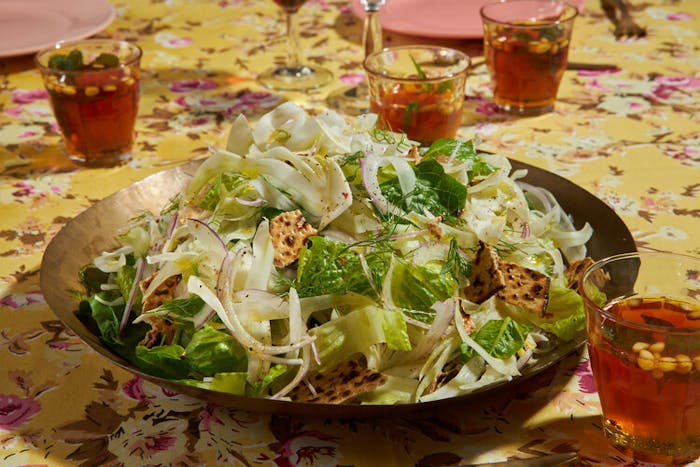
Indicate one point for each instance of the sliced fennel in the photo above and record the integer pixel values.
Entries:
(380, 283)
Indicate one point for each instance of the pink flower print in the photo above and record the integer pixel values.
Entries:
(158, 443)
(678, 82)
(24, 189)
(27, 134)
(306, 448)
(14, 111)
(134, 389)
(680, 16)
(14, 411)
(487, 108)
(191, 85)
(20, 96)
(181, 42)
(15, 301)
(352, 79)
(585, 383)
(207, 417)
(593, 73)
(182, 102)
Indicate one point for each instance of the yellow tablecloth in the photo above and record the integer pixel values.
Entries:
(631, 137)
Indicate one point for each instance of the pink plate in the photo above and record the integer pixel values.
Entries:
(446, 19)
(27, 26)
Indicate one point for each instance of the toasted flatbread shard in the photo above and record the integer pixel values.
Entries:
(162, 330)
(526, 288)
(165, 292)
(574, 273)
(339, 384)
(486, 278)
(289, 232)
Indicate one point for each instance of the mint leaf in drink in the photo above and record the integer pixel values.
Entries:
(105, 60)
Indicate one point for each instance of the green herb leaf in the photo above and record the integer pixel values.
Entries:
(180, 310)
(461, 150)
(105, 321)
(409, 115)
(435, 191)
(92, 279)
(418, 68)
(457, 264)
(106, 60)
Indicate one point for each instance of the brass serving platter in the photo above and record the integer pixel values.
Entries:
(93, 231)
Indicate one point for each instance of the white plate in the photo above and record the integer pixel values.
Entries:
(27, 26)
(446, 19)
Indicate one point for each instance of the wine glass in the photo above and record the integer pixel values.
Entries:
(355, 100)
(294, 75)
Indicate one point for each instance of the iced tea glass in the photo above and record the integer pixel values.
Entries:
(93, 88)
(418, 90)
(526, 46)
(643, 322)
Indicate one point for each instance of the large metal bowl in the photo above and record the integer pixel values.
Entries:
(93, 231)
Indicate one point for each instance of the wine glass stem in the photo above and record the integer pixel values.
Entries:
(372, 33)
(293, 46)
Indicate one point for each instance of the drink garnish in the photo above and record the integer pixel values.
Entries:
(73, 61)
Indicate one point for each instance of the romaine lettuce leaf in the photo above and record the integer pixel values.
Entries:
(165, 361)
(329, 267)
(501, 338)
(566, 316)
(415, 287)
(347, 336)
(210, 351)
(273, 374)
(232, 383)
(125, 278)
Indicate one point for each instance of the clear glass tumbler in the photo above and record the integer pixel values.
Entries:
(418, 90)
(643, 322)
(93, 88)
(526, 46)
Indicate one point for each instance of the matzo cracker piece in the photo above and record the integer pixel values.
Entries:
(339, 384)
(574, 273)
(486, 278)
(165, 292)
(525, 288)
(289, 232)
(161, 330)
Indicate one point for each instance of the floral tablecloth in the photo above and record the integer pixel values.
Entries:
(630, 136)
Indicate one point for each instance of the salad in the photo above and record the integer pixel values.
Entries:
(327, 261)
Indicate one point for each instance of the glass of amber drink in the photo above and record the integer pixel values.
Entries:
(93, 88)
(417, 90)
(526, 46)
(643, 321)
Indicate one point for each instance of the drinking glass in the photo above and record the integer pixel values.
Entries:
(294, 75)
(643, 322)
(526, 45)
(93, 88)
(418, 90)
(354, 100)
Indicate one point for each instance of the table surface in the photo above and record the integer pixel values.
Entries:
(631, 137)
